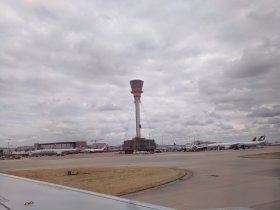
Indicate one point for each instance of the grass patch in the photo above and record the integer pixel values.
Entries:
(271, 155)
(113, 181)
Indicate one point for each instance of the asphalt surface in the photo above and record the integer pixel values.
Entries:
(219, 178)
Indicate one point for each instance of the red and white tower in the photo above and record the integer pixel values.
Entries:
(137, 143)
(136, 90)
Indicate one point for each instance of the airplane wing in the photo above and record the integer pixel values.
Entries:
(17, 193)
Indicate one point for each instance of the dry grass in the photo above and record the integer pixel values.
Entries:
(272, 155)
(112, 181)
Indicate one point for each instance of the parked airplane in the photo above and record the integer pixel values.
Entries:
(57, 152)
(20, 153)
(195, 147)
(171, 148)
(230, 145)
(260, 141)
(21, 194)
(237, 145)
(91, 150)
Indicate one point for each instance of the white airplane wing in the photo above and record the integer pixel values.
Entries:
(17, 193)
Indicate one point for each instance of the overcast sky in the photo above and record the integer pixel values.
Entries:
(211, 69)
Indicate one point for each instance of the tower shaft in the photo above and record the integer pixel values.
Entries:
(137, 116)
(136, 90)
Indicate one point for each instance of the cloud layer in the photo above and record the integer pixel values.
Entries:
(210, 70)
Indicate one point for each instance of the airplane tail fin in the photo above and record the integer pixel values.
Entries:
(262, 138)
(254, 139)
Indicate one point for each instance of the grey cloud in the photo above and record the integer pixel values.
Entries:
(275, 121)
(267, 19)
(109, 107)
(224, 126)
(253, 64)
(65, 66)
(43, 12)
(214, 115)
(199, 123)
(265, 112)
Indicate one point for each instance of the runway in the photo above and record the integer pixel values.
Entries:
(219, 178)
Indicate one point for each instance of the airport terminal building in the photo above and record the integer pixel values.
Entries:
(61, 145)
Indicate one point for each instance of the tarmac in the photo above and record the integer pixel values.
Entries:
(216, 179)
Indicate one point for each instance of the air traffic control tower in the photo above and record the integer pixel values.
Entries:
(138, 143)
